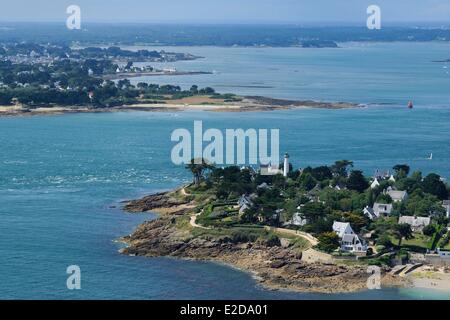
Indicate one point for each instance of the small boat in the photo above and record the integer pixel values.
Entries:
(410, 105)
(430, 157)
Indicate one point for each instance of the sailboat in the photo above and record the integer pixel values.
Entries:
(430, 157)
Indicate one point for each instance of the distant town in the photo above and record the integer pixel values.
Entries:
(33, 75)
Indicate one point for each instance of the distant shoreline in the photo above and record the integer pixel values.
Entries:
(126, 75)
(248, 104)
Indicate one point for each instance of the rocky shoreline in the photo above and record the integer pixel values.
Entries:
(275, 267)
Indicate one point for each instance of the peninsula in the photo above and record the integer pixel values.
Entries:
(311, 229)
(52, 79)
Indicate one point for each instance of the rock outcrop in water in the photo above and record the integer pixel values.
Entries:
(155, 202)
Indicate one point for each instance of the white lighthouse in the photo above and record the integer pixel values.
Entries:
(286, 165)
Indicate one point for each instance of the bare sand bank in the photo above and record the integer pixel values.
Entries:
(196, 103)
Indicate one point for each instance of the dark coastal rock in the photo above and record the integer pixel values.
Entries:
(277, 264)
(276, 267)
(154, 201)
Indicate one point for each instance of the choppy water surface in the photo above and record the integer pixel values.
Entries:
(62, 177)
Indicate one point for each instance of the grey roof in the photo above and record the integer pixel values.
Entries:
(385, 208)
(368, 211)
(397, 195)
(415, 221)
(263, 186)
(383, 174)
(342, 228)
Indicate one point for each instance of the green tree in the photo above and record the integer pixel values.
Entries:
(401, 170)
(384, 241)
(429, 230)
(313, 211)
(402, 231)
(194, 89)
(423, 204)
(307, 182)
(356, 220)
(328, 241)
(340, 168)
(357, 182)
(432, 184)
(198, 168)
(384, 198)
(321, 173)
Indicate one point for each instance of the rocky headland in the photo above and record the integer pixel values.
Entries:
(274, 266)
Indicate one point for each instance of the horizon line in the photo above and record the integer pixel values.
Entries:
(412, 24)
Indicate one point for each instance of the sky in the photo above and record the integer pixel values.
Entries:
(228, 11)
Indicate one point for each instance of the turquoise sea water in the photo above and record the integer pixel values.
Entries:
(379, 73)
(62, 179)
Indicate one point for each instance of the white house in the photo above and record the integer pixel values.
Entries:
(243, 208)
(298, 220)
(350, 241)
(375, 184)
(381, 174)
(338, 187)
(384, 209)
(443, 254)
(263, 186)
(378, 209)
(416, 223)
(270, 170)
(245, 202)
(368, 211)
(397, 196)
(446, 205)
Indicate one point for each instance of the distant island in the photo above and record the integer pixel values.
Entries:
(311, 229)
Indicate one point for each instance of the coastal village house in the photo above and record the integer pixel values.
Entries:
(375, 184)
(381, 175)
(350, 241)
(297, 219)
(270, 170)
(443, 254)
(263, 186)
(378, 209)
(416, 223)
(397, 196)
(446, 205)
(245, 202)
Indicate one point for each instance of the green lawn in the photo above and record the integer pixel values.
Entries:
(419, 241)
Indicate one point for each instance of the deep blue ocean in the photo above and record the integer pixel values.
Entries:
(62, 178)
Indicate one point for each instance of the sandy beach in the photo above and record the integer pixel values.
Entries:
(428, 277)
(196, 103)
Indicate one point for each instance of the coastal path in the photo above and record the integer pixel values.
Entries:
(312, 240)
(193, 222)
